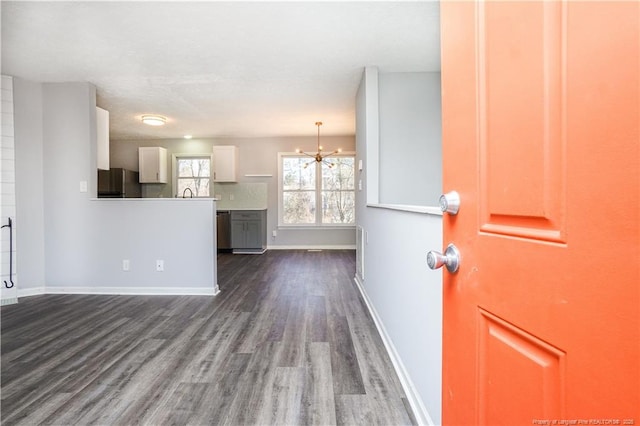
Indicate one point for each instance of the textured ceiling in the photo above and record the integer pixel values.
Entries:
(240, 69)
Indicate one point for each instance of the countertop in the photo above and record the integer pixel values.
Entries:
(179, 199)
(241, 209)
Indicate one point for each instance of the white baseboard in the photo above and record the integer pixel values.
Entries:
(146, 291)
(33, 291)
(314, 247)
(248, 251)
(419, 410)
(139, 291)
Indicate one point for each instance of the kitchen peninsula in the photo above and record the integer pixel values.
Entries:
(154, 245)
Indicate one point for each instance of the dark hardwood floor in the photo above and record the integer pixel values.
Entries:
(287, 341)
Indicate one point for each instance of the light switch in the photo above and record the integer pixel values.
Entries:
(360, 185)
(83, 186)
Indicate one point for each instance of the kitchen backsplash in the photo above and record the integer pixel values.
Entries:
(241, 195)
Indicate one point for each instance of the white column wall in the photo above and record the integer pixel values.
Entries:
(7, 196)
(29, 184)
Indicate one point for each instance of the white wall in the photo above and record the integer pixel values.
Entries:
(404, 294)
(7, 196)
(179, 232)
(410, 138)
(256, 156)
(30, 182)
(79, 242)
(68, 124)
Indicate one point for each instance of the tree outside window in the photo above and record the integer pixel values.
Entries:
(338, 191)
(316, 194)
(194, 174)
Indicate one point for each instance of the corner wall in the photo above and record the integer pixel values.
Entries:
(404, 295)
(68, 127)
(79, 242)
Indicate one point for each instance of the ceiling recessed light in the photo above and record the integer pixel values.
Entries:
(154, 120)
(188, 136)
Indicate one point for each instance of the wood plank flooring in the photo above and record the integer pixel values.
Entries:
(288, 341)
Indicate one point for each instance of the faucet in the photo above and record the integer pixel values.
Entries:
(185, 190)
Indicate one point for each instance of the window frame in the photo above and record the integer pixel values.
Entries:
(318, 224)
(194, 156)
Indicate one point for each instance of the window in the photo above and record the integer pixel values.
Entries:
(193, 173)
(316, 194)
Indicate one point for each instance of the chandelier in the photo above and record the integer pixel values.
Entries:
(318, 157)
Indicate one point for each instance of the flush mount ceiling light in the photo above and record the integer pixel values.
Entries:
(318, 157)
(154, 120)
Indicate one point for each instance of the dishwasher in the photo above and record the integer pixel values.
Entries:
(223, 223)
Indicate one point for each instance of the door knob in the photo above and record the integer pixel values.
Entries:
(450, 259)
(450, 202)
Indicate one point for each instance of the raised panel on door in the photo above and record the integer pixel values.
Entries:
(520, 195)
(521, 96)
(541, 112)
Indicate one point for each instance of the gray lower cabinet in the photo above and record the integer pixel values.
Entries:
(248, 231)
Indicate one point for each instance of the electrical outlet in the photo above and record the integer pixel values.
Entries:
(159, 265)
(231, 197)
(83, 186)
(125, 264)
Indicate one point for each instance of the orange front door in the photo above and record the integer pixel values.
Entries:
(541, 139)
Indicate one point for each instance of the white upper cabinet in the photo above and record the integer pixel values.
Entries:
(102, 127)
(225, 163)
(152, 163)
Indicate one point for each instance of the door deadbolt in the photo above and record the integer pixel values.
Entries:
(450, 202)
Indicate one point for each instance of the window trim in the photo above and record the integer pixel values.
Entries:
(318, 190)
(190, 155)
